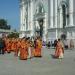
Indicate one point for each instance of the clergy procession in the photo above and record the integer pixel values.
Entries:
(25, 48)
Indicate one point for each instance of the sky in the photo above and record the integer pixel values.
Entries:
(9, 10)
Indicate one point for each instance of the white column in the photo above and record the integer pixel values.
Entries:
(71, 12)
(21, 22)
(45, 25)
(21, 18)
(25, 16)
(28, 15)
(24, 20)
(56, 34)
(36, 23)
(49, 14)
(51, 3)
(56, 13)
(32, 23)
(61, 18)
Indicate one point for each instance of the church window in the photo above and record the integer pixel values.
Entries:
(64, 15)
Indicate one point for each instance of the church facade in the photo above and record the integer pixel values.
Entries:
(48, 18)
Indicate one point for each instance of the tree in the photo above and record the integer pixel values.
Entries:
(13, 35)
(3, 24)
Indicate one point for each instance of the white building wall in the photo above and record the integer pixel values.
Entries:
(51, 15)
(53, 18)
(31, 19)
(71, 12)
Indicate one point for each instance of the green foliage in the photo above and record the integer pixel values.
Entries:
(3, 24)
(13, 35)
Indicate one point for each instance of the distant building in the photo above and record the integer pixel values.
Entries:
(48, 18)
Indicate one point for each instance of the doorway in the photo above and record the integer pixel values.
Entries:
(40, 21)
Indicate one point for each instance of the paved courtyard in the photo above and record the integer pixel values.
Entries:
(10, 65)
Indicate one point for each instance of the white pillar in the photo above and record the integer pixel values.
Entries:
(28, 15)
(71, 12)
(45, 25)
(61, 18)
(56, 13)
(51, 15)
(21, 18)
(31, 22)
(25, 17)
(36, 24)
(56, 34)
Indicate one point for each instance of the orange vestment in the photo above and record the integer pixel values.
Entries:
(8, 45)
(23, 50)
(18, 46)
(38, 47)
(59, 50)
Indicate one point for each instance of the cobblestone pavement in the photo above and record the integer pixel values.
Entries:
(10, 65)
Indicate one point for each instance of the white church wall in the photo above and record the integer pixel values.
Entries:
(53, 19)
(74, 12)
(49, 12)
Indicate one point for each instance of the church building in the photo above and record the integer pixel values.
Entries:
(50, 19)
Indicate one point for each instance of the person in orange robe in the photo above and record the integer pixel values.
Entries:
(30, 49)
(13, 44)
(38, 47)
(59, 49)
(18, 46)
(8, 45)
(5, 44)
(23, 50)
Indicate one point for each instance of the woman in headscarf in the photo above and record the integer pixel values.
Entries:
(59, 49)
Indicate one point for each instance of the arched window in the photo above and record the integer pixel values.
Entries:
(64, 15)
